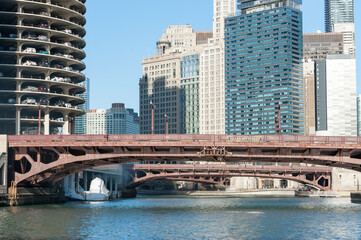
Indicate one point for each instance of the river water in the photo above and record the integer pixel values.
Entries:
(186, 217)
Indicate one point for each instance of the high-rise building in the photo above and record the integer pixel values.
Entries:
(189, 100)
(316, 46)
(336, 111)
(170, 82)
(41, 56)
(338, 11)
(263, 68)
(117, 120)
(80, 121)
(348, 31)
(359, 115)
(212, 104)
(309, 97)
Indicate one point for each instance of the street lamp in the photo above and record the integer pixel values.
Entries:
(166, 123)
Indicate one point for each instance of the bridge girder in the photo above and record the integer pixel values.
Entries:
(51, 158)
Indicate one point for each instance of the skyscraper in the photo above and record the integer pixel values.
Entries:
(117, 120)
(263, 68)
(80, 121)
(335, 85)
(338, 11)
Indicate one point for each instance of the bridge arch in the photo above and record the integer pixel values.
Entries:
(76, 153)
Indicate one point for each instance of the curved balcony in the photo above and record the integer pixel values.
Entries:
(41, 44)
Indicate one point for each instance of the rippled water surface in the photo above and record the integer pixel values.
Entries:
(187, 218)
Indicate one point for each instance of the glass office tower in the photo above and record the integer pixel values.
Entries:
(263, 68)
(338, 11)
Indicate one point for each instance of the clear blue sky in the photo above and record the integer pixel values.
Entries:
(121, 33)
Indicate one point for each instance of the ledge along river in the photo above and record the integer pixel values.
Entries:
(186, 217)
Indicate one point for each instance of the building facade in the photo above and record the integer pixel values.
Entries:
(41, 56)
(338, 11)
(316, 46)
(189, 100)
(212, 85)
(117, 120)
(263, 68)
(309, 97)
(80, 121)
(336, 111)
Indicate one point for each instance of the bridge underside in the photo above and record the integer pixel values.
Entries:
(51, 158)
(319, 177)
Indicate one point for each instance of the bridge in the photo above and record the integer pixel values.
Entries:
(320, 177)
(40, 159)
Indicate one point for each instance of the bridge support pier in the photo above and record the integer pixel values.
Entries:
(356, 197)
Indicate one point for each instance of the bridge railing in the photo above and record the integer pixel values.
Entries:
(227, 167)
(185, 138)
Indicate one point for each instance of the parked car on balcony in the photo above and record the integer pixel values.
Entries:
(29, 35)
(67, 79)
(59, 66)
(44, 13)
(30, 50)
(12, 48)
(44, 25)
(29, 63)
(29, 101)
(43, 52)
(68, 44)
(43, 89)
(43, 101)
(68, 68)
(68, 56)
(11, 101)
(57, 79)
(1, 74)
(42, 38)
(31, 88)
(68, 105)
(44, 63)
(13, 35)
(60, 103)
(67, 30)
(58, 54)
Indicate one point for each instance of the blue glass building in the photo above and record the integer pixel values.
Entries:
(338, 11)
(80, 121)
(263, 67)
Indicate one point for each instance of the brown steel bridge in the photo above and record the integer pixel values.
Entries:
(320, 177)
(40, 159)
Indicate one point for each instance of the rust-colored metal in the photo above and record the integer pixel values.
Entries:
(210, 172)
(166, 123)
(63, 154)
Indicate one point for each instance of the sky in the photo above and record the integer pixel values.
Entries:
(120, 36)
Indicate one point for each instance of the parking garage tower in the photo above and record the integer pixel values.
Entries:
(41, 55)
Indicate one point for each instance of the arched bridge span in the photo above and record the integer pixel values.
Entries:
(37, 159)
(319, 177)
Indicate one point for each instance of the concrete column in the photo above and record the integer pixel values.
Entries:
(77, 182)
(111, 185)
(46, 122)
(85, 178)
(18, 121)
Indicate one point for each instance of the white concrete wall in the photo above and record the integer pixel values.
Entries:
(345, 180)
(243, 183)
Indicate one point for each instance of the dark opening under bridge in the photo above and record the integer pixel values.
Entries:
(39, 159)
(319, 177)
